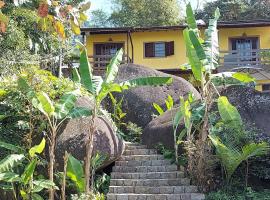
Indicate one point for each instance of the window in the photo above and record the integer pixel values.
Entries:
(158, 49)
(245, 48)
(266, 87)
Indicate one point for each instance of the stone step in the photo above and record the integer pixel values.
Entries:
(151, 175)
(143, 163)
(187, 196)
(131, 144)
(150, 182)
(142, 157)
(153, 190)
(140, 152)
(145, 169)
(135, 147)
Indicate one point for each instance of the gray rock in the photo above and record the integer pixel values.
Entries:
(138, 102)
(160, 130)
(254, 106)
(73, 138)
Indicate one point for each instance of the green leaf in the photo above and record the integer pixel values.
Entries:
(38, 148)
(228, 112)
(185, 107)
(194, 61)
(112, 68)
(29, 171)
(178, 118)
(243, 77)
(146, 81)
(36, 197)
(45, 104)
(41, 184)
(211, 44)
(9, 177)
(75, 172)
(65, 105)
(169, 102)
(158, 109)
(79, 112)
(190, 18)
(198, 47)
(75, 75)
(11, 147)
(86, 71)
(10, 162)
(232, 157)
(106, 89)
(23, 85)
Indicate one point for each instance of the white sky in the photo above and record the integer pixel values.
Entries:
(106, 4)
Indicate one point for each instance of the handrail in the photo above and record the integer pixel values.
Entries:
(233, 59)
(100, 62)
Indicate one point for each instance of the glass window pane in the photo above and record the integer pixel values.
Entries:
(160, 49)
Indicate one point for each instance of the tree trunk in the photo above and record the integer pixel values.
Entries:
(63, 189)
(51, 163)
(88, 156)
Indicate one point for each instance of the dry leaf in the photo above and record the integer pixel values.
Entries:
(2, 3)
(43, 10)
(60, 29)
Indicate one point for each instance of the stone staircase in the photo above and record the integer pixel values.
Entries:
(142, 174)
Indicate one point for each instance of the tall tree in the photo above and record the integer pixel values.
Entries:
(229, 10)
(237, 9)
(98, 18)
(145, 13)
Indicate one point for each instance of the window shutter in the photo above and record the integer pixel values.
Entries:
(149, 50)
(169, 48)
(98, 49)
(254, 43)
(233, 42)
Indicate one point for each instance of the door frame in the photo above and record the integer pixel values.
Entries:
(118, 42)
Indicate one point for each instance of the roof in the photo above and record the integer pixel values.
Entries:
(221, 24)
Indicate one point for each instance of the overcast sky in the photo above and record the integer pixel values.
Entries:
(106, 4)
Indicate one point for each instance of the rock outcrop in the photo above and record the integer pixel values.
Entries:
(73, 138)
(254, 106)
(138, 102)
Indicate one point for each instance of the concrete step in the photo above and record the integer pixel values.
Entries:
(140, 152)
(131, 144)
(153, 190)
(145, 169)
(136, 147)
(142, 157)
(143, 163)
(150, 182)
(130, 196)
(150, 175)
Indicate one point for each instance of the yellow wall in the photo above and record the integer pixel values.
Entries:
(179, 57)
(259, 84)
(138, 39)
(262, 32)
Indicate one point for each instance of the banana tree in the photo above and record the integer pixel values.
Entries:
(232, 154)
(28, 187)
(203, 57)
(232, 157)
(56, 113)
(99, 88)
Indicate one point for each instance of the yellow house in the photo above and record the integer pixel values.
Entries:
(242, 44)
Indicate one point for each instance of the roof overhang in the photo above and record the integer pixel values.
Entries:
(221, 24)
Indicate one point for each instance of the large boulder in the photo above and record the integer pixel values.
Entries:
(138, 102)
(160, 130)
(254, 106)
(73, 138)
